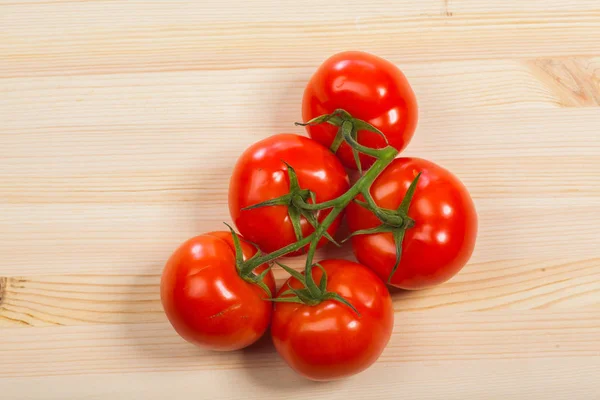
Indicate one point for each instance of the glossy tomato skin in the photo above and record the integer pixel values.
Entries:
(260, 174)
(330, 341)
(369, 88)
(443, 238)
(205, 299)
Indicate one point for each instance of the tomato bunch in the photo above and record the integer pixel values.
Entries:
(412, 224)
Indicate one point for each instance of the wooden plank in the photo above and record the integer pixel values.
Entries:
(126, 299)
(134, 240)
(109, 37)
(138, 239)
(549, 378)
(418, 337)
(130, 100)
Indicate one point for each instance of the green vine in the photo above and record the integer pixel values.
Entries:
(394, 221)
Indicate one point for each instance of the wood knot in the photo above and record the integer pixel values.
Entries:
(3, 284)
(447, 11)
(575, 81)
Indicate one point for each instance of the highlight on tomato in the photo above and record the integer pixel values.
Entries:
(419, 227)
(209, 300)
(339, 332)
(271, 177)
(370, 89)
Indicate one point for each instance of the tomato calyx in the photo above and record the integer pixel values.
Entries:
(245, 269)
(311, 294)
(348, 128)
(295, 201)
(396, 222)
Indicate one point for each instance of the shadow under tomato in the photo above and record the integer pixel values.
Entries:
(266, 369)
(410, 300)
(397, 292)
(146, 331)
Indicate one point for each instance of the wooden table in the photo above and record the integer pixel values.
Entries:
(120, 122)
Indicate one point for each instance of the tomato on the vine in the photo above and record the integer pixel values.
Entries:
(207, 301)
(370, 89)
(445, 225)
(329, 340)
(262, 174)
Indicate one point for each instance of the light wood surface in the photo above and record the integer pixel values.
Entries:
(120, 122)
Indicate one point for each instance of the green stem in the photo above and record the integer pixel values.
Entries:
(311, 285)
(314, 207)
(384, 158)
(347, 128)
(290, 248)
(388, 216)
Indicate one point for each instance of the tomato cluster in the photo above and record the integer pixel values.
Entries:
(413, 225)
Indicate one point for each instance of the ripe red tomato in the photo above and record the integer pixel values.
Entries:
(369, 88)
(443, 237)
(207, 301)
(330, 341)
(261, 174)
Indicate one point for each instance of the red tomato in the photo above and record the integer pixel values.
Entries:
(443, 238)
(369, 88)
(207, 301)
(261, 174)
(330, 341)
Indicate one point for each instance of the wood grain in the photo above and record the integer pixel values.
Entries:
(158, 36)
(120, 124)
(128, 299)
(417, 338)
(549, 351)
(546, 377)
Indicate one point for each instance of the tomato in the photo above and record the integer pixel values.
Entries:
(330, 341)
(261, 174)
(369, 88)
(443, 237)
(207, 301)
